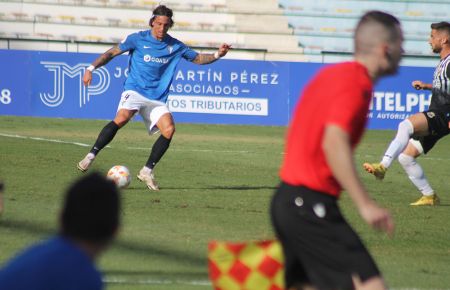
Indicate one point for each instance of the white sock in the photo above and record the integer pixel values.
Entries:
(415, 174)
(147, 170)
(404, 132)
(91, 156)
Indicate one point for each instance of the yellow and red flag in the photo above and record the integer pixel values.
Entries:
(246, 266)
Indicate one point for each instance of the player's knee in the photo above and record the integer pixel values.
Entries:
(405, 160)
(375, 283)
(168, 131)
(120, 122)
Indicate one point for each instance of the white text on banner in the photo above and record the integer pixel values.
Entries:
(218, 105)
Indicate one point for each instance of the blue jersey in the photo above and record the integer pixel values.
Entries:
(56, 264)
(152, 63)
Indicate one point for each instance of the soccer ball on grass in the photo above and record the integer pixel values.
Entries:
(120, 175)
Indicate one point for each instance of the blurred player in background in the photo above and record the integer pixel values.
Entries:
(425, 128)
(321, 249)
(154, 55)
(88, 224)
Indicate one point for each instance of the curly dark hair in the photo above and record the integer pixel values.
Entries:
(162, 10)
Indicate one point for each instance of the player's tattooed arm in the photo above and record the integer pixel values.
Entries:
(100, 61)
(107, 56)
(205, 58)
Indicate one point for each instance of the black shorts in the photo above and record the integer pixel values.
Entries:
(438, 126)
(319, 246)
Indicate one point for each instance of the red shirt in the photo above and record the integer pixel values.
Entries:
(339, 94)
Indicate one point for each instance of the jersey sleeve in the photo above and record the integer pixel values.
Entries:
(447, 70)
(129, 43)
(188, 53)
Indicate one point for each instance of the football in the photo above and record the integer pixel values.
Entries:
(120, 175)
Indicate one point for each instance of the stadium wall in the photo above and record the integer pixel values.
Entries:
(49, 84)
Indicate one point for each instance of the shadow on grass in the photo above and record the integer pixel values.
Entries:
(156, 273)
(141, 248)
(241, 187)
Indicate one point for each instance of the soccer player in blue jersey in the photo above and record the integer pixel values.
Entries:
(154, 55)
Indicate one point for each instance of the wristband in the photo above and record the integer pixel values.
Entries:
(216, 55)
(91, 68)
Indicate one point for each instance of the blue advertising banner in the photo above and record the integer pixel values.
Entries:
(58, 90)
(15, 87)
(49, 84)
(231, 92)
(394, 98)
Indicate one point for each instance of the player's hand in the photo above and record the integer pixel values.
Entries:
(418, 85)
(377, 217)
(223, 49)
(87, 78)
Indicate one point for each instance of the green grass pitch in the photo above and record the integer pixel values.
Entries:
(216, 184)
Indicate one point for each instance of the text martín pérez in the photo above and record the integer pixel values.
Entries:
(210, 82)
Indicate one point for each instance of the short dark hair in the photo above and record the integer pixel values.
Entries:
(162, 10)
(387, 20)
(91, 209)
(442, 26)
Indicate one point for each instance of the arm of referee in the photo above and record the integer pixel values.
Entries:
(338, 151)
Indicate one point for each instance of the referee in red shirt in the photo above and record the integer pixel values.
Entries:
(321, 249)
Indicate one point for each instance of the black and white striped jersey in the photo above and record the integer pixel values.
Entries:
(441, 84)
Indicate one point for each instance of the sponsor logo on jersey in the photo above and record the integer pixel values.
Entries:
(149, 58)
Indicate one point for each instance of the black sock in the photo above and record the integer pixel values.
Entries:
(106, 135)
(159, 148)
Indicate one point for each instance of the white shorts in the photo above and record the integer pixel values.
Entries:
(149, 110)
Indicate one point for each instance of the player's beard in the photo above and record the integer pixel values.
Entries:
(436, 49)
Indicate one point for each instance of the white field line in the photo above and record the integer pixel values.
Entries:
(116, 280)
(423, 157)
(206, 283)
(198, 150)
(44, 139)
(131, 148)
(180, 150)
